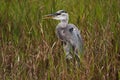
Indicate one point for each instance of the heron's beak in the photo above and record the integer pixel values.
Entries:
(49, 16)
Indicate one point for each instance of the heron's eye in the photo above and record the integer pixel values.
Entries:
(57, 13)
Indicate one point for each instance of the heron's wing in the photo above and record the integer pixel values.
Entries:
(76, 36)
(64, 33)
(70, 34)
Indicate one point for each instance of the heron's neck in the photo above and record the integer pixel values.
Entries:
(64, 22)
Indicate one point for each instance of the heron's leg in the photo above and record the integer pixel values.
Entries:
(66, 47)
(76, 55)
(78, 59)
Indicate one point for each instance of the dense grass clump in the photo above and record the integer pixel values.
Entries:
(30, 50)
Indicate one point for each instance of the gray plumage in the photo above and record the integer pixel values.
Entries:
(68, 34)
(71, 38)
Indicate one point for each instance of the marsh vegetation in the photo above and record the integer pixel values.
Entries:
(30, 50)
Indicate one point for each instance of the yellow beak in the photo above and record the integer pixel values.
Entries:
(49, 16)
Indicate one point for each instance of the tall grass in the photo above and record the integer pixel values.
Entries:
(30, 50)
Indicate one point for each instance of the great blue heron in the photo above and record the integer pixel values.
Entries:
(68, 34)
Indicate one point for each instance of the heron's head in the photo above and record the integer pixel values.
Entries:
(59, 15)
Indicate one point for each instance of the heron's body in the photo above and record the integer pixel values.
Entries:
(68, 34)
(71, 38)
